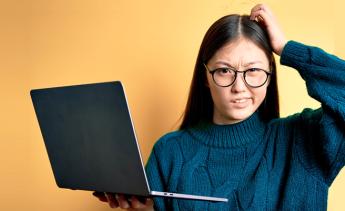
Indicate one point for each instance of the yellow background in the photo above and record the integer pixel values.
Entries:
(151, 46)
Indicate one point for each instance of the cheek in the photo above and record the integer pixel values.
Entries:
(210, 85)
(216, 92)
(220, 95)
(259, 94)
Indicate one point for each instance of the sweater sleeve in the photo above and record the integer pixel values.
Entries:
(162, 167)
(155, 177)
(320, 134)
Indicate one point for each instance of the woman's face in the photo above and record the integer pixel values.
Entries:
(239, 101)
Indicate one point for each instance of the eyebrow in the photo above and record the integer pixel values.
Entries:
(251, 63)
(245, 65)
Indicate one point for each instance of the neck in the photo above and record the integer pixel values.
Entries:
(237, 134)
(224, 121)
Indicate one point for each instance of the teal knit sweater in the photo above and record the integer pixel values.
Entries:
(285, 164)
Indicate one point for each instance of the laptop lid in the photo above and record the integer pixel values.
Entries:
(90, 140)
(88, 134)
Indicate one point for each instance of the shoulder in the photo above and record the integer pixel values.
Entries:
(171, 136)
(283, 132)
(169, 141)
(307, 116)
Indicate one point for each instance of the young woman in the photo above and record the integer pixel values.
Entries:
(233, 144)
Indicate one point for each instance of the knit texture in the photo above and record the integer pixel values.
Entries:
(285, 164)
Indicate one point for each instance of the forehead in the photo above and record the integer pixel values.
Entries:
(240, 51)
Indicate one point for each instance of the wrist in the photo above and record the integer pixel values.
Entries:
(281, 48)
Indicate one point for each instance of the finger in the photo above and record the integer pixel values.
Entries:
(101, 196)
(122, 201)
(112, 200)
(255, 8)
(265, 8)
(261, 16)
(149, 202)
(136, 203)
(262, 8)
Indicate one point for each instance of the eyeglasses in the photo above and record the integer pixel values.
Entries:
(225, 76)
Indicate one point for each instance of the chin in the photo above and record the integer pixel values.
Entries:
(240, 115)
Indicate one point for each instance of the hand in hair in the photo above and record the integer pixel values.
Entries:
(262, 14)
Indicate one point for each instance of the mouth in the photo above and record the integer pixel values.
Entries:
(241, 102)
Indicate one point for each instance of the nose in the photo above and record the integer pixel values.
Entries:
(239, 85)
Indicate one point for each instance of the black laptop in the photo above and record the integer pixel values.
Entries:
(90, 140)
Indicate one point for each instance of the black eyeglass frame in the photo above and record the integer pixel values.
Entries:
(268, 74)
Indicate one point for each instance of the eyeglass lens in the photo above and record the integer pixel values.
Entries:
(253, 77)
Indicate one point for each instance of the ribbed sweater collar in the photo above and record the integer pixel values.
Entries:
(243, 133)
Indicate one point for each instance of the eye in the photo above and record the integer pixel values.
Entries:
(253, 70)
(222, 71)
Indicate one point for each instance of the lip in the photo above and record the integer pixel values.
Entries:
(241, 102)
(240, 99)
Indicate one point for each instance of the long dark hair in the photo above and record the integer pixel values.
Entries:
(199, 106)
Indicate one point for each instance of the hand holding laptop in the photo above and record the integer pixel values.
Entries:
(119, 200)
